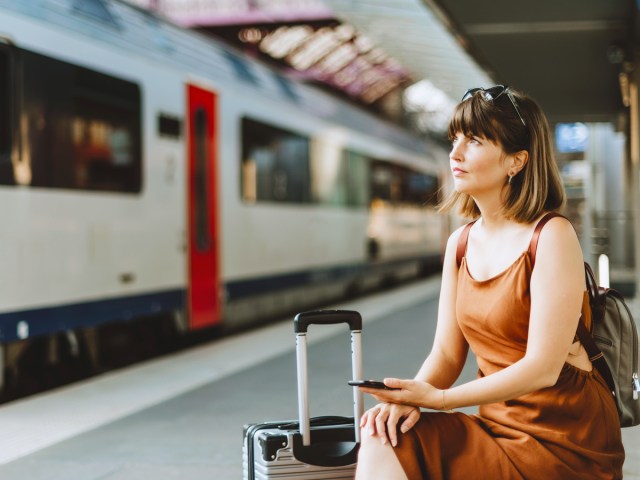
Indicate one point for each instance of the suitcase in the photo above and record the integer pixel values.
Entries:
(318, 448)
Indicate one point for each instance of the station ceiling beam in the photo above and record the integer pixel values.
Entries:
(567, 54)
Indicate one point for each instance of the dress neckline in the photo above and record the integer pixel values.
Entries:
(498, 275)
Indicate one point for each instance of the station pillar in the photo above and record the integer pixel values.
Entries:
(634, 165)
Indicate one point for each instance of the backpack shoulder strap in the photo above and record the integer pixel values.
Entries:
(462, 242)
(533, 245)
(595, 354)
(598, 309)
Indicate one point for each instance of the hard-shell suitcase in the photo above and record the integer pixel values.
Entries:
(318, 448)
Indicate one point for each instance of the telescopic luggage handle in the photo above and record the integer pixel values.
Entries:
(326, 317)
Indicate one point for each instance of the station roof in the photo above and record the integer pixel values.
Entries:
(567, 54)
(302, 37)
(309, 40)
(572, 56)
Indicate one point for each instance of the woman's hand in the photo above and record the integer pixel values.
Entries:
(408, 392)
(382, 421)
(402, 403)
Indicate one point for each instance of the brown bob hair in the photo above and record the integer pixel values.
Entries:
(537, 188)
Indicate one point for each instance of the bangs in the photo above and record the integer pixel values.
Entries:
(538, 187)
(474, 118)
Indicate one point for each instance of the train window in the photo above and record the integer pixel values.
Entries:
(398, 184)
(5, 110)
(82, 128)
(420, 188)
(328, 174)
(385, 184)
(169, 126)
(275, 164)
(358, 185)
(202, 149)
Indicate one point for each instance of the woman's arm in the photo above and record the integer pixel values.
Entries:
(449, 352)
(441, 368)
(557, 286)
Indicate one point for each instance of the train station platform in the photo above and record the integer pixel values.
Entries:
(181, 416)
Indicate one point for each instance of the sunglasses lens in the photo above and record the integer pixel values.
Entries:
(492, 93)
(469, 93)
(487, 93)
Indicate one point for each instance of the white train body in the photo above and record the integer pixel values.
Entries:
(75, 257)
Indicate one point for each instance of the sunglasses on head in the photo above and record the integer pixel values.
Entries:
(492, 93)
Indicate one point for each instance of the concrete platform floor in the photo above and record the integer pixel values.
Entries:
(181, 417)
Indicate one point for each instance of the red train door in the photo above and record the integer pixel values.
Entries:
(202, 205)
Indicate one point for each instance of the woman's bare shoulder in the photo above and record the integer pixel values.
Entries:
(558, 228)
(559, 242)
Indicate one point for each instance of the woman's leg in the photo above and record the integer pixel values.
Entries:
(376, 460)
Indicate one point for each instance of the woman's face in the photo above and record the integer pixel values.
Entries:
(477, 165)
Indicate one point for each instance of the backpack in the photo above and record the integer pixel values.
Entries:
(612, 346)
(612, 343)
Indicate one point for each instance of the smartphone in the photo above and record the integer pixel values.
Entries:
(370, 384)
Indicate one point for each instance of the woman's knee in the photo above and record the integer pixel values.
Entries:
(371, 442)
(375, 456)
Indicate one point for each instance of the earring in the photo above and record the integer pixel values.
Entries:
(510, 178)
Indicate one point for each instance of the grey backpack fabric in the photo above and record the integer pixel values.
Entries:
(612, 344)
(615, 335)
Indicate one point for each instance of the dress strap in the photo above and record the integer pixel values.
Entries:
(533, 245)
(462, 242)
(461, 249)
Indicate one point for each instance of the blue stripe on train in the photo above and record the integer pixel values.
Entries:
(257, 286)
(42, 321)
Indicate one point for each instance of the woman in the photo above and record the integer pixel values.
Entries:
(544, 412)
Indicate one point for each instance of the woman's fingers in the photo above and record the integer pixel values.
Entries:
(364, 419)
(392, 426)
(410, 420)
(397, 383)
(382, 421)
(380, 424)
(368, 421)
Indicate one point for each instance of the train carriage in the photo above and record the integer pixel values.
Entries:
(148, 170)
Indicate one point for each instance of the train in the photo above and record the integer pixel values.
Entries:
(148, 171)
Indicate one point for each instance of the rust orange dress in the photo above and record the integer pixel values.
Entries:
(568, 431)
